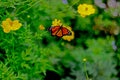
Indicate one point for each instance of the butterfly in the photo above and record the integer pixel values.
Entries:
(59, 31)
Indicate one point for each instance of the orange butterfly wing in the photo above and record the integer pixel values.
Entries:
(59, 31)
(54, 30)
(65, 31)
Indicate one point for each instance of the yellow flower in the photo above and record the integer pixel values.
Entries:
(69, 37)
(41, 27)
(56, 23)
(9, 25)
(6, 25)
(85, 10)
(15, 25)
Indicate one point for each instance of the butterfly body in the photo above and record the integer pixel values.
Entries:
(59, 31)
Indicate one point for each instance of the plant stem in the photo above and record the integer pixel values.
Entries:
(12, 43)
(27, 8)
(86, 74)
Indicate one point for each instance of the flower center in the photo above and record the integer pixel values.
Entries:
(86, 8)
(11, 23)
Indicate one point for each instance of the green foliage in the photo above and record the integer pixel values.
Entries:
(28, 53)
(99, 64)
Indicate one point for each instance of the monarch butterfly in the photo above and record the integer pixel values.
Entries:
(59, 31)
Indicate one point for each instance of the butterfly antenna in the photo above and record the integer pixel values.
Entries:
(69, 33)
(49, 28)
(61, 25)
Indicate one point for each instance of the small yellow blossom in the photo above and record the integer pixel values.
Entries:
(56, 23)
(9, 25)
(84, 59)
(69, 37)
(41, 27)
(62, 43)
(28, 16)
(85, 10)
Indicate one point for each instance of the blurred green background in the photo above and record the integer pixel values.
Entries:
(33, 54)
